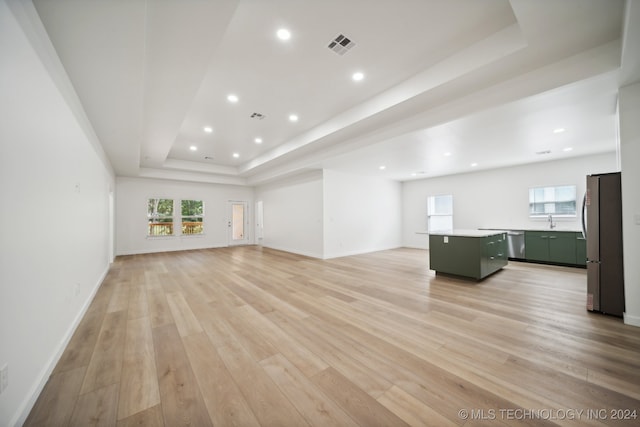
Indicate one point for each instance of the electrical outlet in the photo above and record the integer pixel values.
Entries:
(4, 378)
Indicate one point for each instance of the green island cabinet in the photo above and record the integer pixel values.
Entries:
(472, 254)
(555, 247)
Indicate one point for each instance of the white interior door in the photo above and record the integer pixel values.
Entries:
(238, 223)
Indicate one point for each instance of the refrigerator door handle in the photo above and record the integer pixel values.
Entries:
(584, 214)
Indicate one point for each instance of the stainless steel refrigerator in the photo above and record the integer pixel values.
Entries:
(602, 209)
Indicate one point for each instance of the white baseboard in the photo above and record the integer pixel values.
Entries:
(27, 405)
(631, 320)
(358, 252)
(293, 251)
(160, 250)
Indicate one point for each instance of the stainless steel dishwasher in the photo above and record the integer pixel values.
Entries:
(515, 244)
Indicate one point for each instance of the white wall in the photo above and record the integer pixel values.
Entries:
(497, 198)
(361, 214)
(293, 214)
(131, 214)
(630, 150)
(54, 219)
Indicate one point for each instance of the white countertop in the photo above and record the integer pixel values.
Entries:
(572, 230)
(465, 233)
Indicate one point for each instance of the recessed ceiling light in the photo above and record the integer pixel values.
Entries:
(567, 149)
(473, 165)
(293, 118)
(357, 76)
(232, 98)
(559, 130)
(258, 140)
(236, 155)
(383, 167)
(208, 129)
(414, 174)
(193, 148)
(447, 154)
(283, 34)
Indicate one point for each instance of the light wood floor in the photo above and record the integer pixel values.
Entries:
(255, 337)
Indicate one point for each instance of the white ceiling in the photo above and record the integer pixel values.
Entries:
(486, 81)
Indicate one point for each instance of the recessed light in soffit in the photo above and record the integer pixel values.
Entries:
(341, 44)
(283, 34)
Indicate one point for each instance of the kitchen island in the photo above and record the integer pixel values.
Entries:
(473, 254)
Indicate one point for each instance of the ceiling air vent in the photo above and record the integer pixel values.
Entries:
(341, 44)
(257, 116)
(543, 152)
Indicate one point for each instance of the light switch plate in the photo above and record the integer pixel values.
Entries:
(446, 239)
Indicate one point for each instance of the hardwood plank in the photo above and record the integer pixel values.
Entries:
(96, 408)
(139, 384)
(225, 403)
(182, 402)
(186, 321)
(358, 404)
(269, 405)
(151, 417)
(80, 348)
(159, 311)
(301, 357)
(138, 306)
(120, 297)
(411, 410)
(243, 331)
(363, 376)
(54, 406)
(316, 408)
(105, 367)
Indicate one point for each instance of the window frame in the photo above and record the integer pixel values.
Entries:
(552, 200)
(197, 216)
(431, 202)
(158, 217)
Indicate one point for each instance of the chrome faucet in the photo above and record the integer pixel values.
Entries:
(551, 224)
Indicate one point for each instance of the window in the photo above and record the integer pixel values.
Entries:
(192, 216)
(160, 217)
(557, 201)
(440, 213)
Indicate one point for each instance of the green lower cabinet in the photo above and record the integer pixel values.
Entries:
(581, 250)
(536, 245)
(473, 257)
(494, 254)
(555, 247)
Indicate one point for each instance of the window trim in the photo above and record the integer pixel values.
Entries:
(430, 215)
(201, 216)
(172, 217)
(544, 216)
